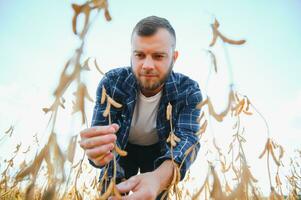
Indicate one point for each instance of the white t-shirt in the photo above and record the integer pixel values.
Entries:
(143, 127)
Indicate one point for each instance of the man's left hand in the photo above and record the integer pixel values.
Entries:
(143, 186)
(147, 185)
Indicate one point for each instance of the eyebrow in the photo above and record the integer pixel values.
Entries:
(159, 52)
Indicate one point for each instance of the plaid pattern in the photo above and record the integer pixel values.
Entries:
(183, 94)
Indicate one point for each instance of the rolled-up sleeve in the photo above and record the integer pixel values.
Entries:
(185, 127)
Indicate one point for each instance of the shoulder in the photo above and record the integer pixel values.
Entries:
(116, 77)
(120, 72)
(115, 81)
(184, 82)
(187, 88)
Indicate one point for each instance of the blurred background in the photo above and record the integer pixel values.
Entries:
(36, 40)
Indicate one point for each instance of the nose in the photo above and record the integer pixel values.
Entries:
(148, 63)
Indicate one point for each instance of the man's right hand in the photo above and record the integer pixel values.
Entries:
(98, 141)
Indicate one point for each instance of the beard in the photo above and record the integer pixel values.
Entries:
(155, 84)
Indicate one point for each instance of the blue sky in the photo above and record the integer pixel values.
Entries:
(36, 39)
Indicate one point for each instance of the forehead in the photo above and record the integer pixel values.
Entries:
(161, 40)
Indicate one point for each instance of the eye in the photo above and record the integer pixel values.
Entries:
(139, 55)
(158, 56)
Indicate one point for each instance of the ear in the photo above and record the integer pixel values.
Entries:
(175, 55)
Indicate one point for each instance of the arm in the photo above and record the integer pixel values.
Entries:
(98, 141)
(185, 126)
(165, 174)
(149, 185)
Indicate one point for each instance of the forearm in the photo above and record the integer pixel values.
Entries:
(165, 174)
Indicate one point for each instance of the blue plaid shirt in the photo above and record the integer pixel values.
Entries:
(183, 94)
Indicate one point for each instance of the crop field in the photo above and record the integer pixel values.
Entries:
(57, 173)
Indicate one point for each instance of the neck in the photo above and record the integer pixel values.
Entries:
(150, 93)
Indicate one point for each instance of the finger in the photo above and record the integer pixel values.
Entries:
(99, 151)
(114, 198)
(128, 185)
(115, 126)
(89, 143)
(134, 196)
(140, 194)
(103, 160)
(99, 130)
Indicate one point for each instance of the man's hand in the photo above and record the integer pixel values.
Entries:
(98, 142)
(144, 186)
(147, 185)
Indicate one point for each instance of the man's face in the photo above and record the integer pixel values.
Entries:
(152, 60)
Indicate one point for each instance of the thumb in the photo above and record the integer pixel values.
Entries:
(128, 185)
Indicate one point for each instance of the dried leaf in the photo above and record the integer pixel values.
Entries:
(71, 148)
(216, 192)
(168, 111)
(86, 65)
(108, 192)
(46, 110)
(248, 104)
(173, 139)
(119, 151)
(213, 59)
(217, 34)
(49, 194)
(201, 104)
(215, 145)
(34, 167)
(247, 113)
(275, 196)
(17, 148)
(277, 180)
(103, 95)
(230, 41)
(78, 9)
(228, 188)
(239, 107)
(176, 138)
(226, 169)
(248, 175)
(117, 193)
(200, 117)
(59, 158)
(214, 32)
(93, 183)
(202, 129)
(107, 110)
(11, 128)
(274, 157)
(193, 154)
(173, 143)
(29, 194)
(281, 152)
(218, 117)
(113, 102)
(100, 3)
(97, 67)
(176, 175)
(265, 149)
(107, 15)
(168, 139)
(81, 95)
(65, 81)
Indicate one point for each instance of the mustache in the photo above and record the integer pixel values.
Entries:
(152, 73)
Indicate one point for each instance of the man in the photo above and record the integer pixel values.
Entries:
(140, 126)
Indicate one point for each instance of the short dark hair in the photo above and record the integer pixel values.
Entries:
(149, 26)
